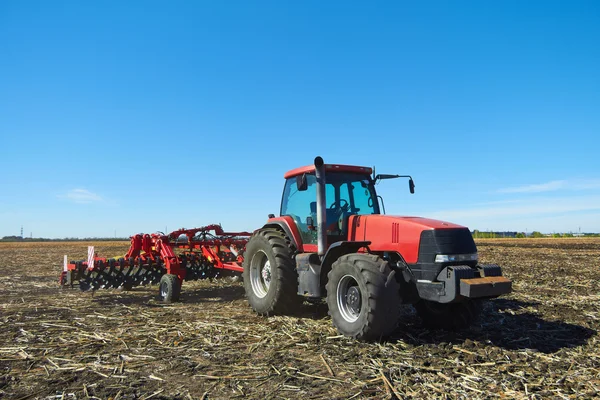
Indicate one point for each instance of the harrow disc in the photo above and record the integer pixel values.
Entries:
(202, 255)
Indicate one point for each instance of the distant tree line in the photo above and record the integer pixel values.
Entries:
(88, 239)
(521, 235)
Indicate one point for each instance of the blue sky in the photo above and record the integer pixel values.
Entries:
(136, 116)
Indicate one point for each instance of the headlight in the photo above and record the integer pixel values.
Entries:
(440, 258)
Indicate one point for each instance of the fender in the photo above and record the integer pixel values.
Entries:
(287, 224)
(335, 251)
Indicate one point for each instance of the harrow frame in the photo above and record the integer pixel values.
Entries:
(203, 253)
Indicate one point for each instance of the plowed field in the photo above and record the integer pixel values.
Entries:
(539, 342)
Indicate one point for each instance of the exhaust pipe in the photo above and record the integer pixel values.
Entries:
(321, 206)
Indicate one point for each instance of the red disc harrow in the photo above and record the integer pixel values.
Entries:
(187, 254)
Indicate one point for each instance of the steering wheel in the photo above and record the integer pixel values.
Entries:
(344, 206)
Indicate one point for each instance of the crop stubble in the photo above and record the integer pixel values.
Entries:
(539, 342)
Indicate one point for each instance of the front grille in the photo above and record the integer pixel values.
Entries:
(442, 241)
(445, 241)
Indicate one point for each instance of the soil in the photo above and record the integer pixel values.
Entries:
(541, 341)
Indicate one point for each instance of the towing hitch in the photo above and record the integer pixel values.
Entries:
(491, 286)
(460, 281)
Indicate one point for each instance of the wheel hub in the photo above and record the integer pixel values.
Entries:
(266, 273)
(353, 300)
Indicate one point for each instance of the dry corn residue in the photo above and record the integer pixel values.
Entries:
(541, 341)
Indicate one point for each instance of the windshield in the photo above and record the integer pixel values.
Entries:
(352, 191)
(356, 190)
(346, 194)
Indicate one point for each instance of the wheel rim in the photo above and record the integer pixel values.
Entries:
(164, 290)
(260, 274)
(349, 298)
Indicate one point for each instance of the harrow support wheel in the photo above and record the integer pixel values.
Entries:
(363, 296)
(169, 288)
(270, 277)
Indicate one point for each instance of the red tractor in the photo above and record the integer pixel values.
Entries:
(332, 241)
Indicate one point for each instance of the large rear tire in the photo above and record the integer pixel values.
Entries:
(270, 277)
(449, 316)
(363, 296)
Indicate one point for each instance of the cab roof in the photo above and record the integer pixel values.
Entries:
(310, 169)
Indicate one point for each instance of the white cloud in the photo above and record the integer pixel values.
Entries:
(82, 196)
(586, 185)
(553, 186)
(568, 222)
(527, 207)
(536, 188)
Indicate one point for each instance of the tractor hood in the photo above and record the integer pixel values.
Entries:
(425, 223)
(401, 233)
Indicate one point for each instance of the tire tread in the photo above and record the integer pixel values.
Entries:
(383, 295)
(285, 300)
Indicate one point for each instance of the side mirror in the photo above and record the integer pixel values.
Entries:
(301, 182)
(411, 186)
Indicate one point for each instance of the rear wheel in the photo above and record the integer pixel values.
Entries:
(449, 316)
(363, 296)
(270, 277)
(169, 288)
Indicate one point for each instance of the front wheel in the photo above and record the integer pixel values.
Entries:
(363, 296)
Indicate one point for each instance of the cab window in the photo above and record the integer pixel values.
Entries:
(297, 204)
(346, 194)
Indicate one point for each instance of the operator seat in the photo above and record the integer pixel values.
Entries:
(331, 222)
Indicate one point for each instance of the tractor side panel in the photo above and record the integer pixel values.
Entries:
(387, 234)
(356, 228)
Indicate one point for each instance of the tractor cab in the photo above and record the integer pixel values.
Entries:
(349, 191)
